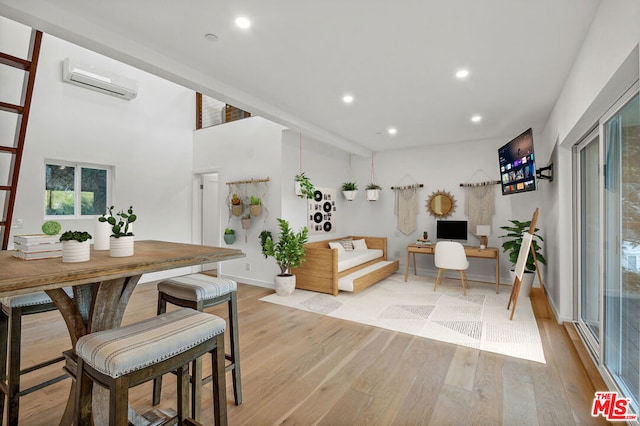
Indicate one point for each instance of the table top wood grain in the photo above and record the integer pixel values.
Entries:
(19, 276)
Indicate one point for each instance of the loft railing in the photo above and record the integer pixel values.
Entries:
(212, 112)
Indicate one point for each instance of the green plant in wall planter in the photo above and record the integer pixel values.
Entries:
(229, 236)
(263, 239)
(255, 206)
(236, 205)
(349, 190)
(75, 246)
(373, 191)
(303, 186)
(512, 244)
(288, 253)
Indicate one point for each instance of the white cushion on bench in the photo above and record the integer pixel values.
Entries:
(349, 259)
(121, 350)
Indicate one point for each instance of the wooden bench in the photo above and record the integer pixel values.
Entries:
(319, 271)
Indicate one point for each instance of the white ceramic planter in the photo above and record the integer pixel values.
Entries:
(373, 194)
(285, 284)
(298, 189)
(101, 234)
(121, 247)
(74, 251)
(526, 284)
(350, 195)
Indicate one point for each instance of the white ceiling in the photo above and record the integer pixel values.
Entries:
(397, 58)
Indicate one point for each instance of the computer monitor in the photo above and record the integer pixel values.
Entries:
(451, 230)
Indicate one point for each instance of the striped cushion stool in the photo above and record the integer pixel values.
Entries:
(199, 291)
(127, 356)
(11, 312)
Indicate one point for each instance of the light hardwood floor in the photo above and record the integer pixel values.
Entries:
(301, 368)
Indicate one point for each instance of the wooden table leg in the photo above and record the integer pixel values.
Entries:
(414, 265)
(497, 273)
(406, 268)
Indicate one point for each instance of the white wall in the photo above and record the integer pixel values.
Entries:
(242, 150)
(147, 140)
(438, 167)
(590, 89)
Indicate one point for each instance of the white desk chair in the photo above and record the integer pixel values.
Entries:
(451, 255)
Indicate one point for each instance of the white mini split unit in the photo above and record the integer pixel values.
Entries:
(91, 78)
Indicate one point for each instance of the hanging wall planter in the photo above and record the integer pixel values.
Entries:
(236, 205)
(349, 190)
(255, 207)
(373, 194)
(229, 236)
(373, 189)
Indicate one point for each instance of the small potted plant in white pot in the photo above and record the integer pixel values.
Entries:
(121, 240)
(303, 186)
(349, 190)
(76, 246)
(288, 253)
(373, 191)
(229, 236)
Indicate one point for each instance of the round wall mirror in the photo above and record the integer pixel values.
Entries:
(441, 204)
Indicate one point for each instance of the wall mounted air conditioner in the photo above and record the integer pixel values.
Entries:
(94, 79)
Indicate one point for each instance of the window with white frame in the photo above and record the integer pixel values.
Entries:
(76, 190)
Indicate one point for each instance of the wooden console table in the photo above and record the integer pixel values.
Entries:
(486, 253)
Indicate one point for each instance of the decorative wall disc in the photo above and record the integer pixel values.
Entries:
(441, 204)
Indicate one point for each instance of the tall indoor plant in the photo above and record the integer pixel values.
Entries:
(288, 253)
(512, 244)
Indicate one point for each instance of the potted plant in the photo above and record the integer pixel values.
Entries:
(304, 187)
(513, 241)
(288, 253)
(256, 206)
(229, 236)
(349, 190)
(236, 205)
(121, 240)
(75, 246)
(373, 192)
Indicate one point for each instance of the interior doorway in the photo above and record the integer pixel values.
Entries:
(210, 214)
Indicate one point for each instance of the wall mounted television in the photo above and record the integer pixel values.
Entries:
(451, 230)
(517, 165)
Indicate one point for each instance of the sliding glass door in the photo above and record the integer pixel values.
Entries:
(589, 236)
(622, 247)
(608, 243)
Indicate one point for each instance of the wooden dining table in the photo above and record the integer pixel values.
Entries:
(102, 286)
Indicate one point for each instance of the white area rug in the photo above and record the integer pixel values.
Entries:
(478, 320)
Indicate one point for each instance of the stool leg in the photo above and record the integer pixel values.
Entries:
(82, 397)
(13, 382)
(4, 334)
(235, 348)
(182, 392)
(196, 388)
(119, 402)
(219, 382)
(157, 383)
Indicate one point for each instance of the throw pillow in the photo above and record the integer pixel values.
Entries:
(338, 246)
(347, 244)
(359, 244)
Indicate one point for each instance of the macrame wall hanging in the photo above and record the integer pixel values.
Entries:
(479, 203)
(245, 199)
(406, 207)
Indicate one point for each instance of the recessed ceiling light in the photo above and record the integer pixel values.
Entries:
(462, 73)
(392, 130)
(211, 37)
(243, 22)
(476, 118)
(347, 99)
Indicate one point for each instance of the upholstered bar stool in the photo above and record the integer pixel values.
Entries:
(200, 291)
(12, 310)
(127, 356)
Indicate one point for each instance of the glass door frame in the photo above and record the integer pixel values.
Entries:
(593, 345)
